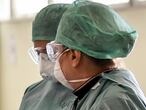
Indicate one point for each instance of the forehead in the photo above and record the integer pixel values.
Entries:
(40, 43)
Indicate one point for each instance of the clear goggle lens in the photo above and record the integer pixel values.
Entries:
(54, 50)
(34, 54)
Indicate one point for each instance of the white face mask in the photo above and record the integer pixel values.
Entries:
(59, 75)
(46, 66)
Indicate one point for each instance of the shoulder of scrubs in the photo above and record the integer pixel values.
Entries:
(116, 90)
(117, 97)
(31, 87)
(121, 101)
(47, 95)
(126, 79)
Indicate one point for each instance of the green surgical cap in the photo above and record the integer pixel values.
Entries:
(96, 30)
(46, 22)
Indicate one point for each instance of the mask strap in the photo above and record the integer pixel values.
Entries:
(78, 80)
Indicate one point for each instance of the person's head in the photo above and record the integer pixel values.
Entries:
(91, 36)
(45, 24)
(44, 29)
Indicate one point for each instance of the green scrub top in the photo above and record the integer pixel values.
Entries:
(115, 90)
(47, 95)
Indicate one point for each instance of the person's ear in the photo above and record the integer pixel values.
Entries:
(75, 57)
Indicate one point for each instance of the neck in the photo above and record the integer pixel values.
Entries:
(85, 75)
(87, 68)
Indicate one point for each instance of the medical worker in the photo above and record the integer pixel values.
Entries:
(89, 37)
(47, 94)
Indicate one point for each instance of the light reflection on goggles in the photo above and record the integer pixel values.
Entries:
(54, 50)
(34, 53)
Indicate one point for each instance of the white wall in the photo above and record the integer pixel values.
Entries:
(18, 71)
(0, 68)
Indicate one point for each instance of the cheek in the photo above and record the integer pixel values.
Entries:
(65, 65)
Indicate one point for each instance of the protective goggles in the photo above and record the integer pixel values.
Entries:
(34, 53)
(54, 50)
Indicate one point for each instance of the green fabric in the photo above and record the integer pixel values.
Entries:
(117, 90)
(96, 30)
(46, 22)
(47, 95)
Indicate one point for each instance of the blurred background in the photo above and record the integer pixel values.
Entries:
(17, 71)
